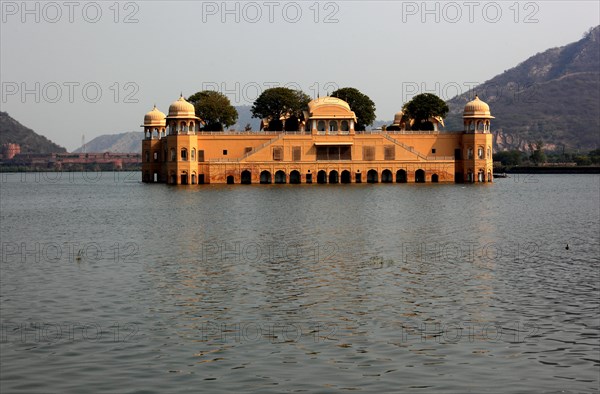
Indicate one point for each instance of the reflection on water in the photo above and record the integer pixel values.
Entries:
(114, 284)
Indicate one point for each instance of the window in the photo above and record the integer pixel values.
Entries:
(173, 154)
(277, 153)
(296, 153)
(247, 149)
(480, 153)
(334, 153)
(333, 126)
(200, 157)
(224, 152)
(469, 153)
(184, 154)
(489, 153)
(389, 152)
(321, 127)
(345, 125)
(147, 156)
(193, 155)
(368, 153)
(433, 151)
(155, 155)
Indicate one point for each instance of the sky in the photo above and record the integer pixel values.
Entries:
(71, 68)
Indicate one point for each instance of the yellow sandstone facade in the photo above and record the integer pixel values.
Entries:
(327, 150)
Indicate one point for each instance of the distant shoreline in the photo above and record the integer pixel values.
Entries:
(550, 170)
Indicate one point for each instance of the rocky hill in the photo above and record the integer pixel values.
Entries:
(11, 131)
(553, 96)
(115, 143)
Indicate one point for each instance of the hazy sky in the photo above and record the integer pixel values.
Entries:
(70, 68)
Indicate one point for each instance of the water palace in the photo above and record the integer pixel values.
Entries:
(326, 150)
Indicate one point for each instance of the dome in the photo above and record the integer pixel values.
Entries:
(327, 100)
(329, 108)
(477, 109)
(154, 118)
(181, 109)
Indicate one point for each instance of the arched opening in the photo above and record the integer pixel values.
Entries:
(344, 127)
(295, 177)
(193, 179)
(400, 176)
(480, 176)
(280, 177)
(184, 178)
(386, 176)
(246, 177)
(334, 177)
(420, 176)
(333, 126)
(435, 178)
(372, 176)
(265, 177)
(173, 179)
(155, 177)
(470, 176)
(345, 176)
(321, 127)
(146, 176)
(490, 176)
(230, 180)
(322, 177)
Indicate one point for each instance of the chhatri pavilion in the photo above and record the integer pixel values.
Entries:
(326, 149)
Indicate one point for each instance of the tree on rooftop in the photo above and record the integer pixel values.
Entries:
(277, 103)
(360, 103)
(215, 109)
(424, 106)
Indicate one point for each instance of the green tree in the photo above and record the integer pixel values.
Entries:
(509, 158)
(360, 103)
(594, 156)
(424, 106)
(537, 155)
(215, 109)
(280, 102)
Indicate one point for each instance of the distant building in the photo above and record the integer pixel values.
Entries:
(10, 150)
(326, 149)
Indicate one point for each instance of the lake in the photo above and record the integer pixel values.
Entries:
(110, 285)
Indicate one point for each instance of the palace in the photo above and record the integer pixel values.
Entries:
(326, 150)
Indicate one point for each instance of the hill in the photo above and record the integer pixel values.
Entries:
(11, 131)
(553, 96)
(115, 143)
(132, 141)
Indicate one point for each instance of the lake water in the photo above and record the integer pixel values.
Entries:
(111, 285)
